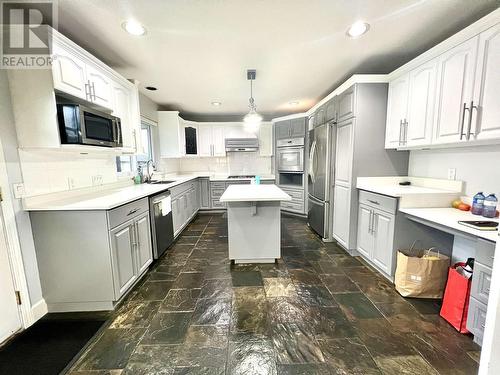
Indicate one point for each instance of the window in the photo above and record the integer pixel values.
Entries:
(147, 144)
(127, 164)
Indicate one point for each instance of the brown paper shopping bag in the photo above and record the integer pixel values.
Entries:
(421, 276)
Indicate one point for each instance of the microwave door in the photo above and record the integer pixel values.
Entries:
(97, 130)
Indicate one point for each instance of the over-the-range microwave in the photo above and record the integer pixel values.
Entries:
(79, 124)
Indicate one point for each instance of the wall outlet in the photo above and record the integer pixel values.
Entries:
(452, 173)
(71, 183)
(97, 180)
(19, 191)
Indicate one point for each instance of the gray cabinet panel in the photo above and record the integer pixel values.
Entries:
(346, 104)
(331, 110)
(298, 127)
(122, 247)
(128, 211)
(485, 252)
(481, 281)
(282, 129)
(319, 116)
(476, 319)
(143, 242)
(204, 193)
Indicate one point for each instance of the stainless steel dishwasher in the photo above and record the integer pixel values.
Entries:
(162, 228)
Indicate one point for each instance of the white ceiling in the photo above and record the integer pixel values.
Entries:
(197, 51)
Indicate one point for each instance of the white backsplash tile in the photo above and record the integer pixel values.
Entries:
(233, 163)
(53, 171)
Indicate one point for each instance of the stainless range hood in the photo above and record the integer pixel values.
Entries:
(242, 144)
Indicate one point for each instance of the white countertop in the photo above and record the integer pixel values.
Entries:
(254, 193)
(104, 198)
(449, 217)
(390, 186)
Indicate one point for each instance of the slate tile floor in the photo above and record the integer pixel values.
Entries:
(316, 311)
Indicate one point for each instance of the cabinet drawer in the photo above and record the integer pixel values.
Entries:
(267, 182)
(126, 212)
(217, 204)
(485, 252)
(179, 189)
(481, 280)
(220, 185)
(378, 201)
(237, 183)
(476, 318)
(297, 195)
(217, 193)
(293, 206)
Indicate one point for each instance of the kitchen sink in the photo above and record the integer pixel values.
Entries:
(161, 181)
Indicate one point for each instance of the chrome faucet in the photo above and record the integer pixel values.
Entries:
(148, 174)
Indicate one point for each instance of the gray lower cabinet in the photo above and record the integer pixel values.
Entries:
(131, 251)
(296, 205)
(382, 230)
(480, 289)
(185, 204)
(204, 193)
(88, 260)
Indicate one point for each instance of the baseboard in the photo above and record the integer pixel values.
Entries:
(38, 310)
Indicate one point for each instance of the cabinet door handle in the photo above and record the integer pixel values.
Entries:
(400, 131)
(131, 212)
(374, 202)
(137, 239)
(405, 131)
(375, 223)
(370, 222)
(463, 120)
(87, 91)
(93, 91)
(469, 124)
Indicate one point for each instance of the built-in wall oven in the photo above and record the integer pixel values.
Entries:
(290, 155)
(82, 125)
(162, 228)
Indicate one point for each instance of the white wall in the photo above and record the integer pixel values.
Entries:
(478, 166)
(9, 141)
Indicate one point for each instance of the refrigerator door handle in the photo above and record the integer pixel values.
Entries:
(312, 153)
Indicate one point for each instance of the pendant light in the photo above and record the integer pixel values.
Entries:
(252, 119)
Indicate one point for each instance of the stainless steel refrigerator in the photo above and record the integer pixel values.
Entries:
(318, 178)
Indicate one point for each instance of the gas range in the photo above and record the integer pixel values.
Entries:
(242, 176)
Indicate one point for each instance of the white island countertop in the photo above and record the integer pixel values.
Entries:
(448, 217)
(254, 193)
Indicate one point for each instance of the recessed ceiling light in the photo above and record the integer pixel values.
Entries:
(216, 104)
(134, 28)
(357, 29)
(151, 88)
(294, 103)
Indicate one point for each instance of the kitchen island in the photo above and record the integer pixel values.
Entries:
(254, 222)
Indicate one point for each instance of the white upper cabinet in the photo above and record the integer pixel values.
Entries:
(486, 110)
(397, 109)
(205, 146)
(447, 96)
(78, 74)
(266, 139)
(69, 73)
(218, 141)
(126, 108)
(454, 92)
(417, 130)
(211, 140)
(99, 86)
